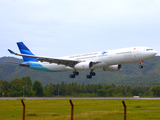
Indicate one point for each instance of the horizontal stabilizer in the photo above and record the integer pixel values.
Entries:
(11, 51)
(21, 64)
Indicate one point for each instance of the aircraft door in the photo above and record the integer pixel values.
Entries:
(135, 53)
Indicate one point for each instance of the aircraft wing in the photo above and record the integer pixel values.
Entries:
(67, 62)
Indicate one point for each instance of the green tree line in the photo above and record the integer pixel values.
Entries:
(19, 87)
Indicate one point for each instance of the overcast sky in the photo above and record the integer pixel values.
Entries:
(57, 28)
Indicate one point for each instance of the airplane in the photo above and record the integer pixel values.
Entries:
(109, 60)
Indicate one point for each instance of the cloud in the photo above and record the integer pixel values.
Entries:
(89, 24)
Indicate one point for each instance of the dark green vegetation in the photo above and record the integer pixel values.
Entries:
(83, 109)
(23, 87)
(37, 86)
(129, 75)
(128, 82)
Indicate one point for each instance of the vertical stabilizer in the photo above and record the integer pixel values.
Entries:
(24, 50)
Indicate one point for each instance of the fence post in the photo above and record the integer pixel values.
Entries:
(124, 109)
(23, 110)
(72, 108)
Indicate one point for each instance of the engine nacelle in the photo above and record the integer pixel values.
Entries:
(113, 68)
(84, 65)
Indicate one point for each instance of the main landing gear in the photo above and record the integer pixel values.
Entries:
(141, 64)
(74, 74)
(91, 74)
(77, 73)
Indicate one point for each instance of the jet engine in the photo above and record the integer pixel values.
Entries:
(84, 65)
(113, 68)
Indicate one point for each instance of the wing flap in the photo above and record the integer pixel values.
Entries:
(66, 62)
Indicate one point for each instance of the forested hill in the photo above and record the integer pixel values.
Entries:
(130, 74)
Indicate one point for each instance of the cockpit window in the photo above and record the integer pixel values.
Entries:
(149, 49)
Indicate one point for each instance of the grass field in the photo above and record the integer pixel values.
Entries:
(83, 109)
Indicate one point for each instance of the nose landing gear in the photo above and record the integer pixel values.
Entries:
(141, 65)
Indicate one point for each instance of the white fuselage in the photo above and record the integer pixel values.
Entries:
(106, 58)
(109, 60)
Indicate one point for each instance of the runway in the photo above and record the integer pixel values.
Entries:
(78, 98)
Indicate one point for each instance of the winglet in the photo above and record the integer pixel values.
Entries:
(11, 51)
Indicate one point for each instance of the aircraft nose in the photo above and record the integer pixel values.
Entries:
(154, 52)
(151, 54)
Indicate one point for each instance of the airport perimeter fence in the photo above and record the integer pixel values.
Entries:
(72, 109)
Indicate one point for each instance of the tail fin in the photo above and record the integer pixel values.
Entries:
(24, 50)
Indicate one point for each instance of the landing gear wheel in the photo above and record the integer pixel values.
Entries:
(92, 73)
(72, 76)
(88, 76)
(141, 66)
(75, 73)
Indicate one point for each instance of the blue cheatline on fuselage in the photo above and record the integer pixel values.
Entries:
(38, 66)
